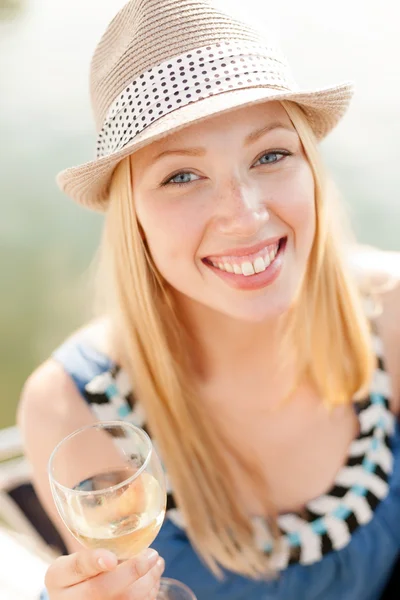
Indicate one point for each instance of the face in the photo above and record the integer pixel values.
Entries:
(227, 209)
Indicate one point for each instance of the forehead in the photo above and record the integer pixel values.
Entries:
(240, 118)
(240, 121)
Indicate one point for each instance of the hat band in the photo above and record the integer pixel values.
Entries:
(186, 78)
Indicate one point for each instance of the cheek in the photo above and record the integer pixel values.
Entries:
(296, 206)
(173, 230)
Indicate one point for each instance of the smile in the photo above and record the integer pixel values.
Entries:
(256, 268)
(249, 264)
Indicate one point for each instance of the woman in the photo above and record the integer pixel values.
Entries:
(234, 329)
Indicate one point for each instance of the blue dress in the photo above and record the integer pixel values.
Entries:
(343, 548)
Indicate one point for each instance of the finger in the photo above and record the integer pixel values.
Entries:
(122, 579)
(147, 587)
(69, 570)
(154, 592)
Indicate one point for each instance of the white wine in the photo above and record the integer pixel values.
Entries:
(125, 520)
(128, 542)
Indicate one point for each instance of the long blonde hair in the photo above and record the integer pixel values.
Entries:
(332, 337)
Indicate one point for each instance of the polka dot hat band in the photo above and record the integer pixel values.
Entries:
(164, 64)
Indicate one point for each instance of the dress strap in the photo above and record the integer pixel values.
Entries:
(81, 361)
(381, 383)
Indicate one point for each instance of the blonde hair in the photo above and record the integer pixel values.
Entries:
(331, 333)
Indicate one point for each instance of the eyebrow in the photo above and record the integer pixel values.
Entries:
(250, 139)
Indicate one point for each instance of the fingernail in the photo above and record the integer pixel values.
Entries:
(148, 558)
(160, 564)
(107, 562)
(102, 564)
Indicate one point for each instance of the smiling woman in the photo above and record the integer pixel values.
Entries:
(233, 328)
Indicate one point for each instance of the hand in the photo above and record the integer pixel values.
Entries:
(96, 575)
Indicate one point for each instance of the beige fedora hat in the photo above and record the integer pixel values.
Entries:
(164, 64)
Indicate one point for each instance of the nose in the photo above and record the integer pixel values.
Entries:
(241, 210)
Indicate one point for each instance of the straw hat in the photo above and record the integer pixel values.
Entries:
(164, 64)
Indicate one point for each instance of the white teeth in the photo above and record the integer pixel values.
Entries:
(274, 251)
(272, 254)
(259, 265)
(247, 269)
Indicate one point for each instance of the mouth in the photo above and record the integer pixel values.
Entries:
(250, 269)
(248, 264)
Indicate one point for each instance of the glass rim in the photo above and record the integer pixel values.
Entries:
(167, 581)
(100, 425)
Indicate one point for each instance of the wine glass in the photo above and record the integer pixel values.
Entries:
(115, 498)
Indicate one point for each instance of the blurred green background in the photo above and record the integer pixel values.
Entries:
(47, 243)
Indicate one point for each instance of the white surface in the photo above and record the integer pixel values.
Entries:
(10, 442)
(14, 472)
(22, 570)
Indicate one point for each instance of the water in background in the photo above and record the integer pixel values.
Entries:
(46, 242)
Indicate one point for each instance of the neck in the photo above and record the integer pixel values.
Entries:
(223, 344)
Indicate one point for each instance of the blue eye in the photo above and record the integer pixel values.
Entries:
(273, 154)
(180, 177)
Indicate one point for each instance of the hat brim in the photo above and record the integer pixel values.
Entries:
(88, 184)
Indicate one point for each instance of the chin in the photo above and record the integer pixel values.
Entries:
(258, 310)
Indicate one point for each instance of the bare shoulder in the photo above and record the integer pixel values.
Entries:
(50, 394)
(46, 390)
(50, 407)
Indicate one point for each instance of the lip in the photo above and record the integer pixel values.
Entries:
(245, 252)
(256, 281)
